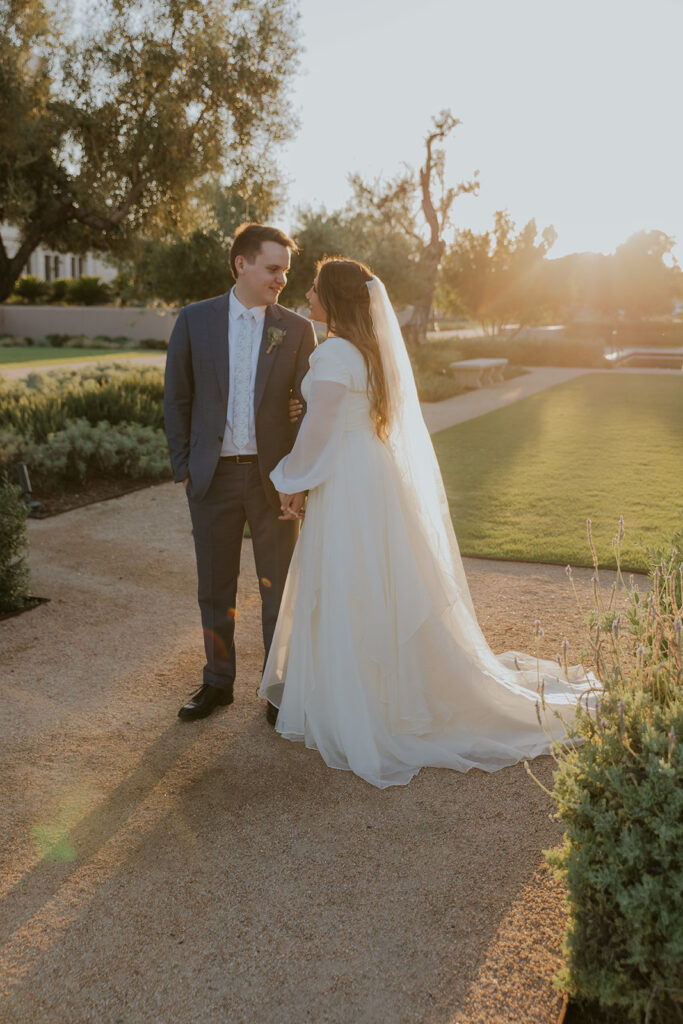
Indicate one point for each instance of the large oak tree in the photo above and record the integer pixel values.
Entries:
(106, 134)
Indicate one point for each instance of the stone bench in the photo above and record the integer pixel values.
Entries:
(477, 373)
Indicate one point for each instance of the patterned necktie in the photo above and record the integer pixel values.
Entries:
(242, 381)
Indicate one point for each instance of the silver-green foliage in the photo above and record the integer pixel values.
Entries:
(69, 426)
(83, 451)
(45, 403)
(14, 574)
(619, 795)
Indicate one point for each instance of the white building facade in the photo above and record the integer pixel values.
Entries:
(50, 265)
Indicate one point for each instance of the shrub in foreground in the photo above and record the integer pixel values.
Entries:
(14, 575)
(619, 794)
(43, 404)
(83, 451)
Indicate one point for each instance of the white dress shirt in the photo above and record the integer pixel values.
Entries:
(234, 336)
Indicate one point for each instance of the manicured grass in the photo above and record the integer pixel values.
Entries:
(522, 481)
(24, 356)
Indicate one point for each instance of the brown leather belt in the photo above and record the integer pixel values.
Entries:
(239, 458)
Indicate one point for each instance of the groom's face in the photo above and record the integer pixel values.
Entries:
(261, 281)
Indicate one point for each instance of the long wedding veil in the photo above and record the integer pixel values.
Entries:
(413, 451)
(430, 527)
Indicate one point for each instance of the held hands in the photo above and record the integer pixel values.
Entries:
(295, 409)
(292, 506)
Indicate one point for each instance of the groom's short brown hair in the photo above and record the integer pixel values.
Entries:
(250, 237)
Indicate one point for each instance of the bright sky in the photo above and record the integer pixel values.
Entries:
(571, 111)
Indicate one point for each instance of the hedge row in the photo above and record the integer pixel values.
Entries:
(70, 426)
(77, 341)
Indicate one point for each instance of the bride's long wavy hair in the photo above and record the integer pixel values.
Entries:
(341, 284)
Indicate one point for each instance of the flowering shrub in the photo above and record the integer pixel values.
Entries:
(619, 794)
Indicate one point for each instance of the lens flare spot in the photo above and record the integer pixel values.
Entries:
(53, 843)
(212, 639)
(265, 582)
(53, 838)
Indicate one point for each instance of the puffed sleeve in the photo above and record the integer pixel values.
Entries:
(312, 458)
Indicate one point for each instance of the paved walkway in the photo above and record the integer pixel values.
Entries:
(440, 415)
(467, 406)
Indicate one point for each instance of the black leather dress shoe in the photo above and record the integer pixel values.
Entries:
(204, 701)
(271, 713)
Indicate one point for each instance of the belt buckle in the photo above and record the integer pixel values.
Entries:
(242, 459)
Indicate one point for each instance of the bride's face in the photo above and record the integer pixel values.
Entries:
(317, 310)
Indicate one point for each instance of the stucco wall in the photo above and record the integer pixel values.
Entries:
(128, 322)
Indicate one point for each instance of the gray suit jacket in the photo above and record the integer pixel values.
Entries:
(196, 390)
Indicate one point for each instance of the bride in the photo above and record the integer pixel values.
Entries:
(378, 661)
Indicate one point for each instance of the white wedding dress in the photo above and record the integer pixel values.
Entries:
(378, 661)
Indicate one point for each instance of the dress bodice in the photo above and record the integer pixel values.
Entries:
(348, 368)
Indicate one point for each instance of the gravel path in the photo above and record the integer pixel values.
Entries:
(160, 871)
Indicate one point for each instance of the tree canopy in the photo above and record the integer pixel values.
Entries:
(497, 277)
(362, 234)
(107, 134)
(182, 268)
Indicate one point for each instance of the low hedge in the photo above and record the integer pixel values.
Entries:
(42, 404)
(76, 341)
(80, 291)
(581, 345)
(71, 426)
(84, 451)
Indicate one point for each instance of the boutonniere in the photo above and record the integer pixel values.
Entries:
(274, 337)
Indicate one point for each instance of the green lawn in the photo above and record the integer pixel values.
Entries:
(522, 481)
(25, 356)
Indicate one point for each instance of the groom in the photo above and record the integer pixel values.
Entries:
(232, 364)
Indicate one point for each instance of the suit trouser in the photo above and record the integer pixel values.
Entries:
(236, 496)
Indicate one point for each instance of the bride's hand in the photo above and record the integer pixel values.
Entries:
(295, 409)
(292, 506)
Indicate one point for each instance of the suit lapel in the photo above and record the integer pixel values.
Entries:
(219, 325)
(265, 362)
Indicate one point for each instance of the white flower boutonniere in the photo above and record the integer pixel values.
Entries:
(274, 337)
